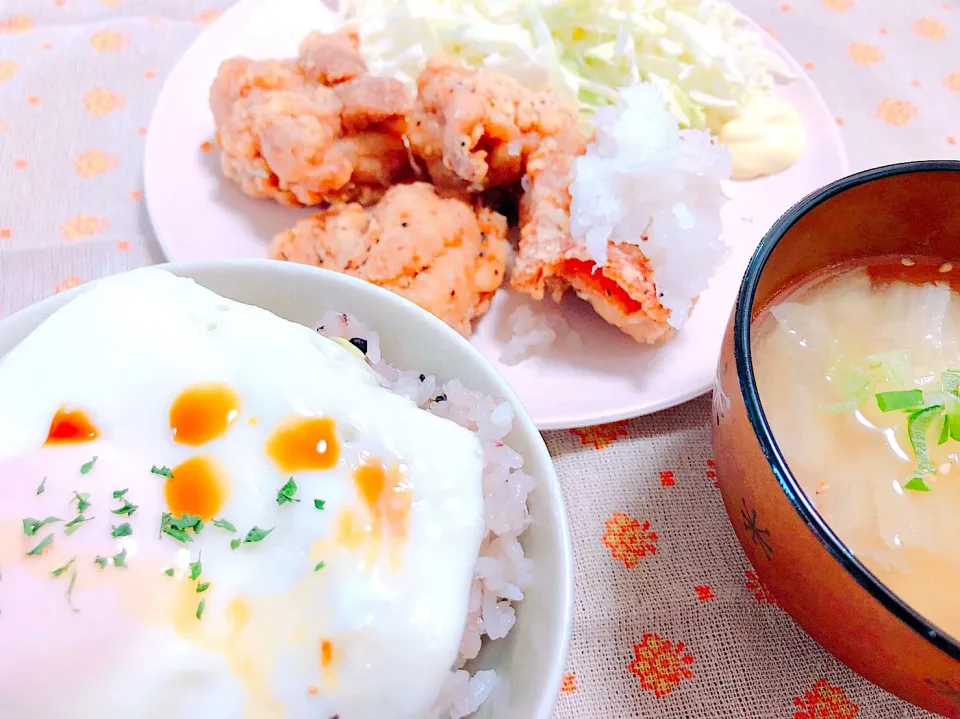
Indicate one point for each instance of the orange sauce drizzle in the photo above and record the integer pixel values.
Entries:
(203, 412)
(71, 426)
(304, 444)
(326, 653)
(387, 495)
(196, 488)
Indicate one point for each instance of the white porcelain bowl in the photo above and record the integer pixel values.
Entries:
(532, 656)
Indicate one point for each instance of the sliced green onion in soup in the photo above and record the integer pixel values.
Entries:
(852, 385)
(916, 484)
(895, 365)
(945, 430)
(950, 381)
(917, 426)
(901, 399)
(953, 425)
(849, 406)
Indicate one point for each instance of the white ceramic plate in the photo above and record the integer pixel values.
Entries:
(198, 215)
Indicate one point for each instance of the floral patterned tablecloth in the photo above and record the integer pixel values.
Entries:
(671, 621)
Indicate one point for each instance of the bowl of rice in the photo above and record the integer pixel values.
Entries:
(519, 612)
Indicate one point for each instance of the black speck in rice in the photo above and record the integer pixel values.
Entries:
(441, 398)
(360, 343)
(422, 377)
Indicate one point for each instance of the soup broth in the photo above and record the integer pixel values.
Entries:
(858, 372)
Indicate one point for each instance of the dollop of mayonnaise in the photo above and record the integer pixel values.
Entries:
(766, 137)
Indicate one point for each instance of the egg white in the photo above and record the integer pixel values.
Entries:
(127, 641)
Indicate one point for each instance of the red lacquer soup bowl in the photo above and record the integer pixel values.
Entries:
(910, 209)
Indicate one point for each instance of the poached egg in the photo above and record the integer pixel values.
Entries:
(208, 510)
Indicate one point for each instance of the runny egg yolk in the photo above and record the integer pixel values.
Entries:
(326, 653)
(70, 426)
(387, 494)
(195, 488)
(203, 412)
(371, 480)
(303, 444)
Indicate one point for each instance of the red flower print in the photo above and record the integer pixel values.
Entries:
(825, 702)
(760, 591)
(660, 664)
(666, 479)
(603, 435)
(569, 685)
(629, 540)
(704, 593)
(712, 472)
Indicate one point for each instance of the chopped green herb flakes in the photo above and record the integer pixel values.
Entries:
(74, 524)
(31, 526)
(224, 524)
(179, 528)
(60, 570)
(286, 492)
(257, 535)
(44, 543)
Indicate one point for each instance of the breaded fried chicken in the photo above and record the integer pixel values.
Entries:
(441, 254)
(474, 129)
(286, 136)
(239, 76)
(328, 59)
(550, 260)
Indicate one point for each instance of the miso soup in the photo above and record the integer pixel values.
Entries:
(858, 372)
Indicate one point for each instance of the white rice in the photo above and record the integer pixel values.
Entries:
(647, 182)
(502, 572)
(533, 334)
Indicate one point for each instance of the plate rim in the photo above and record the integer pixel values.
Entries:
(697, 387)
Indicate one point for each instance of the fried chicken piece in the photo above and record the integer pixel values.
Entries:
(312, 130)
(441, 254)
(314, 144)
(239, 76)
(475, 128)
(370, 100)
(332, 58)
(550, 260)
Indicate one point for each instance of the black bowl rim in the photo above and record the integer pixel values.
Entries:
(742, 356)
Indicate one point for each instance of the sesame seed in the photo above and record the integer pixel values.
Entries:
(946, 267)
(907, 262)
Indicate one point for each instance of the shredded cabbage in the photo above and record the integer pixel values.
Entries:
(699, 53)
